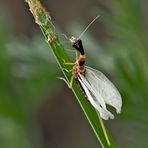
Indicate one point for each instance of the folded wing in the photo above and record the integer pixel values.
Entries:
(103, 87)
(105, 114)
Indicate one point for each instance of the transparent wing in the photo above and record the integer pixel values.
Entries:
(103, 87)
(100, 101)
(105, 114)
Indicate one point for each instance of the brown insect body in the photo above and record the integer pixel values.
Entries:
(79, 66)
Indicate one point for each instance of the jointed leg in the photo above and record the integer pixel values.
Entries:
(71, 82)
(68, 83)
(68, 63)
(67, 70)
(77, 55)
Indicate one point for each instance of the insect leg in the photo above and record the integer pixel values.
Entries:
(67, 70)
(68, 63)
(68, 83)
(71, 82)
(77, 55)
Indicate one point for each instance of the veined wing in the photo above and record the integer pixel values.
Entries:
(100, 101)
(105, 114)
(104, 88)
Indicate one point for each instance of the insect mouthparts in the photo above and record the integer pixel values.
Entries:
(77, 44)
(73, 39)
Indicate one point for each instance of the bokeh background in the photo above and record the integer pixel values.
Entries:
(39, 111)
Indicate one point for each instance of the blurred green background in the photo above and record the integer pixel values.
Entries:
(39, 111)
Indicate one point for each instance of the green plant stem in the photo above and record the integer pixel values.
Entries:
(43, 19)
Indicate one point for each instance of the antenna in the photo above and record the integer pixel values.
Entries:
(88, 26)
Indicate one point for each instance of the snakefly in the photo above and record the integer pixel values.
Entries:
(98, 88)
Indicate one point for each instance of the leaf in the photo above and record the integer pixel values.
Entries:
(43, 19)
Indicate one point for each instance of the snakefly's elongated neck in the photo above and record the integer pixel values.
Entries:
(77, 44)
